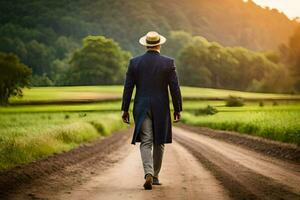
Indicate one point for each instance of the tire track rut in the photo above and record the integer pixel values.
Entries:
(241, 171)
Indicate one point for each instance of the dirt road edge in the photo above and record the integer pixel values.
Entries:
(287, 152)
(87, 154)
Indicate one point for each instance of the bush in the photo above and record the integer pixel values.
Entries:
(233, 101)
(82, 114)
(261, 104)
(208, 110)
(43, 80)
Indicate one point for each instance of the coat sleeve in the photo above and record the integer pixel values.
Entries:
(174, 88)
(128, 88)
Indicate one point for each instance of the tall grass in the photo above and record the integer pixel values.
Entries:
(280, 125)
(30, 136)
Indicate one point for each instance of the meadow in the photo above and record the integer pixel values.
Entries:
(280, 122)
(44, 122)
(104, 93)
(26, 137)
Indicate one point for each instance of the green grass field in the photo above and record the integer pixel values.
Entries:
(26, 137)
(85, 107)
(80, 93)
(69, 93)
(30, 132)
(249, 106)
(281, 122)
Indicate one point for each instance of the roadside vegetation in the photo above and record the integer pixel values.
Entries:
(275, 122)
(26, 137)
(35, 126)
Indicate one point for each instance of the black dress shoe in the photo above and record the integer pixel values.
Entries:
(156, 181)
(148, 182)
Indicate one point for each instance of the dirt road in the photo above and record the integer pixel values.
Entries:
(195, 166)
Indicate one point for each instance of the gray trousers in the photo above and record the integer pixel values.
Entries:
(151, 161)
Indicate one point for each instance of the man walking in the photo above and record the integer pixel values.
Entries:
(152, 74)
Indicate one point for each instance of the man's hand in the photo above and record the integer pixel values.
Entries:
(125, 117)
(177, 117)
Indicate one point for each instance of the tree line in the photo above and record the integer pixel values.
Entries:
(101, 61)
(44, 34)
(208, 64)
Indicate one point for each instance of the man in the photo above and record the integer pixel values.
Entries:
(152, 74)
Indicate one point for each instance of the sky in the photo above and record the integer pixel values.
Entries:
(290, 7)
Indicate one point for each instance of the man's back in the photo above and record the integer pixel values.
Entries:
(151, 71)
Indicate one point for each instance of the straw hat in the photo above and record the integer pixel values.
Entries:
(151, 39)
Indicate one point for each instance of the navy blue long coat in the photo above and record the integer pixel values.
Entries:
(152, 74)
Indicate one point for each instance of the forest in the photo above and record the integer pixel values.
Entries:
(48, 36)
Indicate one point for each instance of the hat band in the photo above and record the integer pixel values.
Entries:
(153, 42)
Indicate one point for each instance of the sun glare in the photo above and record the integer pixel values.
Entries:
(291, 8)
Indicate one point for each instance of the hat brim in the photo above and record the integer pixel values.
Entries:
(143, 41)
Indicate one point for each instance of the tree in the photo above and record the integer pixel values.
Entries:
(39, 57)
(176, 41)
(41, 81)
(99, 61)
(13, 77)
(15, 46)
(192, 64)
(294, 57)
(59, 69)
(64, 45)
(208, 64)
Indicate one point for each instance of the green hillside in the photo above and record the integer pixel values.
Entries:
(58, 26)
